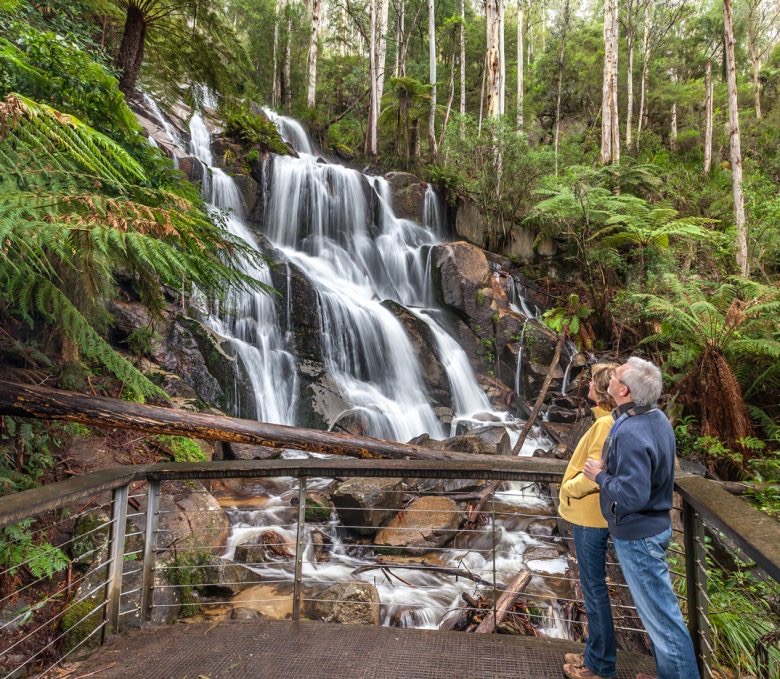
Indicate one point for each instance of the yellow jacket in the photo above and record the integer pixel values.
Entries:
(579, 495)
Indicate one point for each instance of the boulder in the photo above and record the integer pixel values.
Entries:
(558, 414)
(245, 614)
(350, 603)
(521, 244)
(428, 522)
(224, 575)
(193, 169)
(248, 451)
(364, 504)
(250, 192)
(545, 551)
(192, 518)
(408, 194)
(469, 222)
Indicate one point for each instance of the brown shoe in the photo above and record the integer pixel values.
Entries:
(576, 659)
(581, 672)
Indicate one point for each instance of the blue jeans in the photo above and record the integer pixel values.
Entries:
(600, 647)
(644, 566)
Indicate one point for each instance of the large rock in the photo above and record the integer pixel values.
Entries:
(250, 193)
(364, 504)
(226, 576)
(428, 522)
(408, 194)
(469, 222)
(480, 441)
(192, 168)
(192, 518)
(462, 281)
(424, 345)
(350, 603)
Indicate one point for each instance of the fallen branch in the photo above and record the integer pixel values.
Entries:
(505, 602)
(457, 572)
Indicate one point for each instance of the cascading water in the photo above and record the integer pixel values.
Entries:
(433, 213)
(249, 318)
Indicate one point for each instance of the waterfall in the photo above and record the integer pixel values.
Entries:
(519, 369)
(518, 302)
(161, 120)
(565, 383)
(249, 318)
(433, 214)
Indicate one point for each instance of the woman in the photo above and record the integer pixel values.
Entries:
(579, 505)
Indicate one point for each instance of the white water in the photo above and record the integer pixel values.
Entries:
(170, 131)
(433, 213)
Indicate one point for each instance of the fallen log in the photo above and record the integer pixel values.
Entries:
(99, 411)
(504, 603)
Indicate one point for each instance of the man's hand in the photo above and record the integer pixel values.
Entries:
(593, 468)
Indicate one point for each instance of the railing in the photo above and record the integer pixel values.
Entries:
(121, 590)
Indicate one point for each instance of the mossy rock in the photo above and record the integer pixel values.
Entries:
(79, 622)
(318, 508)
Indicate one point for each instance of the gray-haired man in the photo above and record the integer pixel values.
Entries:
(636, 477)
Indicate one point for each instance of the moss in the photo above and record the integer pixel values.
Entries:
(188, 572)
(182, 448)
(90, 539)
(79, 621)
(316, 511)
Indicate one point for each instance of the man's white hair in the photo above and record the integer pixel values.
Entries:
(643, 379)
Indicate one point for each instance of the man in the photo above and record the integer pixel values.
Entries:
(636, 480)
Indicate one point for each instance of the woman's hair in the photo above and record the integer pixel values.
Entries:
(600, 374)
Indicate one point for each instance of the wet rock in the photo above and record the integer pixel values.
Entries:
(364, 504)
(469, 222)
(521, 244)
(250, 192)
(193, 169)
(424, 345)
(546, 551)
(558, 414)
(248, 451)
(408, 194)
(557, 452)
(428, 522)
(245, 614)
(350, 603)
(352, 422)
(224, 575)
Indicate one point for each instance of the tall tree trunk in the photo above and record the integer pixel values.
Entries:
(502, 57)
(708, 115)
(736, 150)
(311, 91)
(482, 95)
(673, 128)
(382, 49)
(399, 37)
(373, 102)
(493, 58)
(642, 122)
(287, 63)
(131, 49)
(610, 138)
(450, 99)
(520, 72)
(276, 86)
(462, 65)
(559, 92)
(756, 62)
(432, 73)
(629, 78)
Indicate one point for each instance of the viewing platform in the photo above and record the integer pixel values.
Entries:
(319, 650)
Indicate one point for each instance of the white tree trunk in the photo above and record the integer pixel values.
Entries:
(610, 136)
(561, 52)
(520, 72)
(373, 103)
(630, 82)
(756, 61)
(316, 16)
(736, 150)
(645, 71)
(462, 66)
(399, 37)
(381, 41)
(493, 57)
(673, 128)
(287, 60)
(432, 71)
(502, 56)
(276, 87)
(708, 114)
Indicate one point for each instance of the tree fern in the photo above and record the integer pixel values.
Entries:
(75, 206)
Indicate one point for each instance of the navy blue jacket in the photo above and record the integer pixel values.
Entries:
(637, 485)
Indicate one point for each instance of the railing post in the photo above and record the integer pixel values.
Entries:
(696, 576)
(493, 537)
(296, 612)
(150, 550)
(116, 561)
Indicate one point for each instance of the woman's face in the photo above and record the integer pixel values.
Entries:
(592, 395)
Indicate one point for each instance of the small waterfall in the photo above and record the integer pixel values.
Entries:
(170, 131)
(292, 132)
(519, 369)
(518, 302)
(566, 373)
(249, 318)
(433, 213)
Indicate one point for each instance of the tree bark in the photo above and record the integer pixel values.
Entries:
(629, 74)
(542, 393)
(610, 137)
(559, 94)
(462, 66)
(432, 152)
(673, 128)
(708, 114)
(381, 58)
(316, 16)
(520, 72)
(735, 143)
(493, 58)
(131, 49)
(373, 103)
(276, 86)
(502, 57)
(642, 122)
(287, 61)
(756, 62)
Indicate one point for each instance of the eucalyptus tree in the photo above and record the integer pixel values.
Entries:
(763, 20)
(493, 57)
(610, 129)
(432, 73)
(311, 88)
(520, 58)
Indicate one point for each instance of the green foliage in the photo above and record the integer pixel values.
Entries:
(141, 340)
(182, 449)
(26, 453)
(188, 572)
(251, 129)
(567, 319)
(18, 549)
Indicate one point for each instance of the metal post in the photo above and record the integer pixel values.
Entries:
(116, 562)
(150, 550)
(296, 612)
(493, 522)
(696, 575)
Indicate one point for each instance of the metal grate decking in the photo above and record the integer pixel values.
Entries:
(314, 650)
